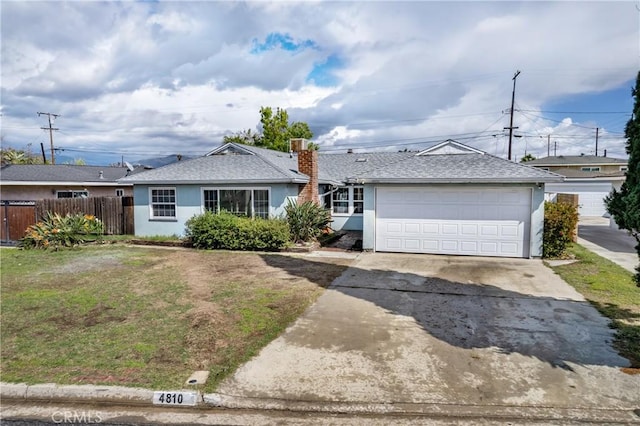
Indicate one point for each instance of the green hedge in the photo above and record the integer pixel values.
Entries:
(227, 231)
(560, 220)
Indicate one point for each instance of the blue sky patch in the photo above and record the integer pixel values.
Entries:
(323, 73)
(281, 41)
(610, 109)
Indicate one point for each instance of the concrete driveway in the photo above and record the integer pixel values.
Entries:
(441, 331)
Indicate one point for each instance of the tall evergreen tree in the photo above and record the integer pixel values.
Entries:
(624, 205)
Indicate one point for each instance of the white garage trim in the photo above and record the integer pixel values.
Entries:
(469, 220)
(590, 195)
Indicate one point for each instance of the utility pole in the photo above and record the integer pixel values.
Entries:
(513, 98)
(597, 132)
(548, 145)
(51, 129)
(44, 157)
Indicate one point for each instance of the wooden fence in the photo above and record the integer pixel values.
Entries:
(116, 213)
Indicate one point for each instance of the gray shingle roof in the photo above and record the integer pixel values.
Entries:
(575, 173)
(260, 166)
(456, 168)
(340, 167)
(60, 173)
(566, 160)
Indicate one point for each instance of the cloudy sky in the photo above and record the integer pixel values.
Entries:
(147, 79)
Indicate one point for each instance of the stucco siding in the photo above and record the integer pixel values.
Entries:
(347, 223)
(45, 192)
(189, 204)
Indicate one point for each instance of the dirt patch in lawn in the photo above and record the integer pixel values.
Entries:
(222, 286)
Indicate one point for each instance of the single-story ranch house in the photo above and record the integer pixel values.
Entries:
(30, 182)
(448, 199)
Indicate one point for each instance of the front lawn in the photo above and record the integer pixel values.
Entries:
(146, 317)
(610, 288)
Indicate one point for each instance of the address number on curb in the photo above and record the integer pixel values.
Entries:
(175, 398)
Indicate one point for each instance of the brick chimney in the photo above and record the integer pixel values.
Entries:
(308, 164)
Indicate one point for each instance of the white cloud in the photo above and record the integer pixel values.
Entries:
(156, 77)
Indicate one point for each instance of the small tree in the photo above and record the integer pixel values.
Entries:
(276, 131)
(19, 156)
(527, 157)
(624, 205)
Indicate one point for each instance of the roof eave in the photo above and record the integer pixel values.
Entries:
(65, 183)
(217, 182)
(460, 181)
(598, 178)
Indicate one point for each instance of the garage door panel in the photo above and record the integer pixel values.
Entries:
(509, 248)
(469, 229)
(470, 247)
(489, 230)
(489, 247)
(450, 221)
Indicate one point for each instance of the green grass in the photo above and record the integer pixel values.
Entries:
(145, 317)
(611, 289)
(71, 317)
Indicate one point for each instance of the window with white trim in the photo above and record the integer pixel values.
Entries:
(119, 192)
(249, 202)
(348, 200)
(623, 168)
(162, 203)
(590, 169)
(72, 194)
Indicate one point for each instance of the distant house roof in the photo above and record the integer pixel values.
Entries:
(577, 160)
(579, 174)
(43, 174)
(229, 163)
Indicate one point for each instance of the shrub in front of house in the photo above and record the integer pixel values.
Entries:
(56, 231)
(226, 231)
(560, 220)
(306, 221)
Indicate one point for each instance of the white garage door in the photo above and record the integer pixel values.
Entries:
(590, 196)
(464, 221)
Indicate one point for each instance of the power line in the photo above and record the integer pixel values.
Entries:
(572, 112)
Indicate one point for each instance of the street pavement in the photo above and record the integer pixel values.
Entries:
(595, 234)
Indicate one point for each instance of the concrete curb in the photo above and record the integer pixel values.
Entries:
(123, 396)
(76, 393)
(434, 410)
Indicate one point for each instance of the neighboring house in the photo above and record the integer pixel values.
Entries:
(590, 177)
(448, 199)
(30, 182)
